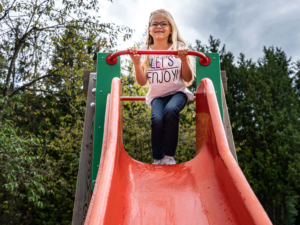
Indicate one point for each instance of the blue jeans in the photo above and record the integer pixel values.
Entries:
(165, 124)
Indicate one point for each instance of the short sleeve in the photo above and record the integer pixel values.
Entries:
(143, 56)
(180, 44)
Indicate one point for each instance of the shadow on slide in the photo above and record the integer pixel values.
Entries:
(210, 189)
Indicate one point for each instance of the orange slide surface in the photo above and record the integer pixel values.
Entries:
(210, 189)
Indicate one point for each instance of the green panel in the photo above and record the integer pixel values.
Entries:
(213, 72)
(105, 74)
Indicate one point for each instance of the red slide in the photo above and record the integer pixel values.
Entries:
(208, 190)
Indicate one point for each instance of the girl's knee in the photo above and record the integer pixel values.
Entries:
(173, 109)
(171, 114)
(157, 120)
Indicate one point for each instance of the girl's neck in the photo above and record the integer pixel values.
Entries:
(161, 45)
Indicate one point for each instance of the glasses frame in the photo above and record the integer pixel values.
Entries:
(159, 24)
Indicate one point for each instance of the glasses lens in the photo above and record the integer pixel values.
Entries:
(156, 24)
(164, 24)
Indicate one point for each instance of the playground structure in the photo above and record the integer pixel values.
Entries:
(209, 189)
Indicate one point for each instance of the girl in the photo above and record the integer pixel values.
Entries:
(167, 76)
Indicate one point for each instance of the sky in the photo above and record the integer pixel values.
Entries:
(243, 26)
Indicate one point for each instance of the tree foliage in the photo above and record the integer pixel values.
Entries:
(263, 103)
(44, 49)
(32, 31)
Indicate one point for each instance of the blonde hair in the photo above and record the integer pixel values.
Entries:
(173, 38)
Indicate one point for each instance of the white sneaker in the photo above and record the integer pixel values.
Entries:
(157, 162)
(168, 160)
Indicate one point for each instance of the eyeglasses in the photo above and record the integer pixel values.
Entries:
(162, 24)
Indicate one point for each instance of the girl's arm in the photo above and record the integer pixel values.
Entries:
(186, 71)
(140, 74)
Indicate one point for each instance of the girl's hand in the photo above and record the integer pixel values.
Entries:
(135, 57)
(182, 53)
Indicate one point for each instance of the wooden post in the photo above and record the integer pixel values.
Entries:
(86, 78)
(227, 124)
(224, 80)
(83, 187)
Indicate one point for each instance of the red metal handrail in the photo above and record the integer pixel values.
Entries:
(138, 98)
(112, 59)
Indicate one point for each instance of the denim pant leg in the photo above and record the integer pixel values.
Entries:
(171, 122)
(157, 125)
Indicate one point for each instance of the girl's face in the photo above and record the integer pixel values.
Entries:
(161, 31)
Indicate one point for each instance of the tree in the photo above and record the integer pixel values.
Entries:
(263, 103)
(20, 180)
(42, 58)
(29, 33)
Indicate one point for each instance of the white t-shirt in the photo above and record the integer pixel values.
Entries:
(164, 76)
